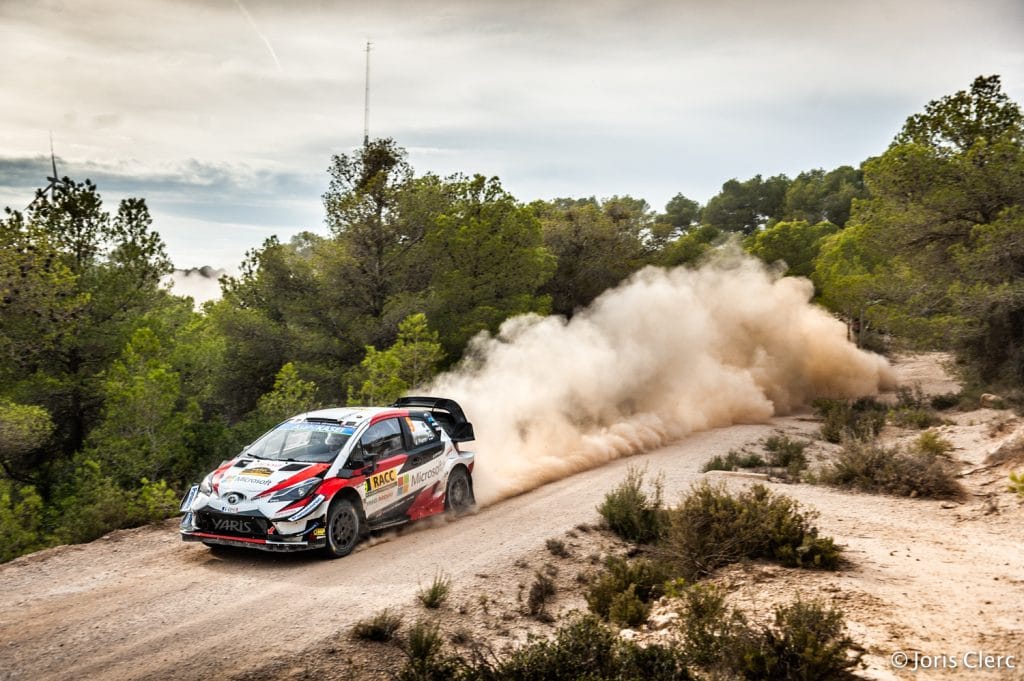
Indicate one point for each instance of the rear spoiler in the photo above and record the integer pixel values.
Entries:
(447, 412)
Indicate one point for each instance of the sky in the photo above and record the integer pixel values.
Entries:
(224, 114)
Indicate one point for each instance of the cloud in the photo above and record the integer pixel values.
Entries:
(606, 97)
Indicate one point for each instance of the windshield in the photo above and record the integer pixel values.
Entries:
(313, 442)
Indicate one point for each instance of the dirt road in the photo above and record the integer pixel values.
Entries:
(142, 604)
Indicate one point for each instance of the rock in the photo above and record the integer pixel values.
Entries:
(947, 504)
(662, 621)
(990, 401)
(627, 634)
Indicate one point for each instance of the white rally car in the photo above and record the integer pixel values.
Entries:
(323, 479)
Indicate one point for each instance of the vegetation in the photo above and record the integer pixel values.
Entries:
(382, 627)
(920, 471)
(713, 527)
(115, 395)
(1017, 482)
(861, 419)
(787, 454)
(541, 592)
(557, 548)
(617, 590)
(732, 461)
(436, 594)
(631, 513)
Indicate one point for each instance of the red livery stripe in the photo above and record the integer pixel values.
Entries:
(310, 472)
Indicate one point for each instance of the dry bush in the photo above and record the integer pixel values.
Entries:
(863, 418)
(712, 528)
(633, 514)
(870, 467)
(382, 627)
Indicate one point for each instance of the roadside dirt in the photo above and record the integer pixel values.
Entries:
(933, 577)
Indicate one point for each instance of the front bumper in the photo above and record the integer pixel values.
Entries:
(251, 529)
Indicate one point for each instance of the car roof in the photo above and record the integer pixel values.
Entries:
(347, 415)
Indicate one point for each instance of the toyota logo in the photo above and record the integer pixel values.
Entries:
(233, 498)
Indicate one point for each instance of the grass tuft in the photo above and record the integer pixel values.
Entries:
(436, 594)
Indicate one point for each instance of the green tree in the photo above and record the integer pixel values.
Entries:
(795, 243)
(412, 361)
(108, 273)
(939, 238)
(489, 262)
(682, 213)
(746, 206)
(593, 252)
(291, 395)
(147, 420)
(816, 196)
(25, 431)
(21, 520)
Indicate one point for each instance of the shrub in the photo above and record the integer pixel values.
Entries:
(863, 418)
(585, 649)
(631, 513)
(436, 594)
(381, 627)
(541, 591)
(627, 610)
(557, 548)
(424, 648)
(786, 453)
(808, 641)
(914, 417)
(710, 629)
(913, 410)
(869, 467)
(732, 461)
(642, 577)
(1017, 482)
(945, 401)
(712, 528)
(930, 442)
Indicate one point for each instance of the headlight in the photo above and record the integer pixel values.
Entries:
(206, 486)
(296, 492)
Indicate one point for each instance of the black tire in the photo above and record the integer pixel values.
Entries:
(344, 528)
(458, 497)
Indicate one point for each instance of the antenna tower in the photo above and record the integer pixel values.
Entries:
(366, 100)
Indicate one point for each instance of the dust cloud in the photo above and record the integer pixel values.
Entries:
(666, 353)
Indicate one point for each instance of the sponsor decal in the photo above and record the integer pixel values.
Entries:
(403, 485)
(319, 533)
(253, 481)
(384, 495)
(425, 476)
(380, 481)
(259, 472)
(232, 525)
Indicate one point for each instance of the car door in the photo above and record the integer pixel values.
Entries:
(425, 449)
(383, 445)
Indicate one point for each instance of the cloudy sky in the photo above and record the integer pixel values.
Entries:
(223, 114)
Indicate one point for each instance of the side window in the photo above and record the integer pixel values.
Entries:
(422, 432)
(382, 439)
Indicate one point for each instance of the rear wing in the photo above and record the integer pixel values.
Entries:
(447, 412)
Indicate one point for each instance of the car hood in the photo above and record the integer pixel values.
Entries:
(256, 477)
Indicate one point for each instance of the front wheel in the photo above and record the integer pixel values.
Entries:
(458, 497)
(343, 528)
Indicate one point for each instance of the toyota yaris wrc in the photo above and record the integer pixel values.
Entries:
(323, 479)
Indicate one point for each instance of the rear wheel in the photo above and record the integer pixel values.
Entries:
(343, 528)
(458, 497)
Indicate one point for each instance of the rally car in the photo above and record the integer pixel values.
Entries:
(323, 479)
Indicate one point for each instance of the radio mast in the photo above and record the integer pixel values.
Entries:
(366, 100)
